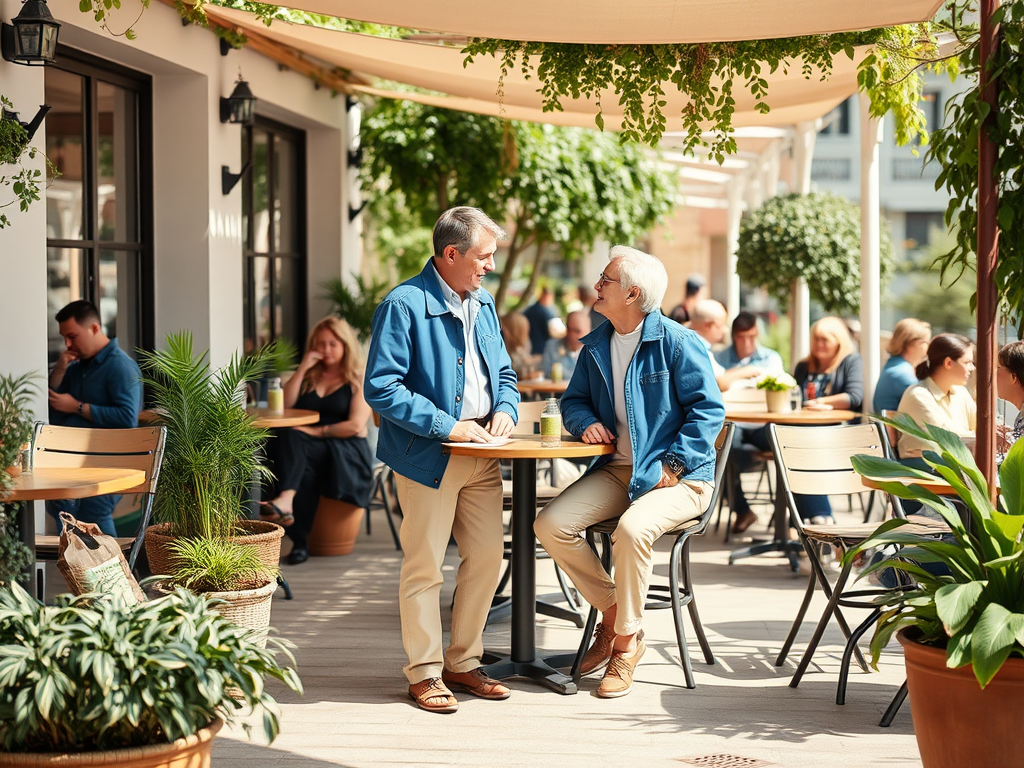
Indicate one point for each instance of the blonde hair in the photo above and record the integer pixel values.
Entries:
(516, 330)
(906, 332)
(351, 362)
(836, 329)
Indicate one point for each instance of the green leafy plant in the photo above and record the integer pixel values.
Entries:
(218, 565)
(14, 150)
(91, 674)
(212, 450)
(814, 236)
(101, 10)
(282, 355)
(779, 382)
(357, 305)
(976, 612)
(16, 393)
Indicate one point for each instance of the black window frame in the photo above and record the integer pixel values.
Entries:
(95, 69)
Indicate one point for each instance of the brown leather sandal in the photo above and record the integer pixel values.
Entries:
(433, 696)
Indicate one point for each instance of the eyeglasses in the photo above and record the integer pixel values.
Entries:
(605, 279)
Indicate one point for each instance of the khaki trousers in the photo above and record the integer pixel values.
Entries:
(467, 504)
(601, 495)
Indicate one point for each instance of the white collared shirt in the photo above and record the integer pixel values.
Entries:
(623, 349)
(476, 393)
(927, 404)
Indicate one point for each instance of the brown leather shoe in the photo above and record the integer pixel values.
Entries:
(599, 652)
(744, 521)
(432, 695)
(476, 683)
(618, 678)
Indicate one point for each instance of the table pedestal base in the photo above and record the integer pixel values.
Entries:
(537, 670)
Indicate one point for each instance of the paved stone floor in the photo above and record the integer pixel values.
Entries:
(355, 711)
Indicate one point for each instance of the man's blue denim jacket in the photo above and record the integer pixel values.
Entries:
(416, 374)
(673, 404)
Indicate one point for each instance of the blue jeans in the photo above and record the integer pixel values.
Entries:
(96, 509)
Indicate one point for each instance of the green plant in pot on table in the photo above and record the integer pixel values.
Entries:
(962, 630)
(202, 539)
(84, 679)
(776, 388)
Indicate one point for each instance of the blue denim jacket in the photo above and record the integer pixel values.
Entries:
(673, 404)
(415, 374)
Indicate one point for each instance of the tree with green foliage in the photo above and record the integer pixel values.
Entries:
(563, 188)
(814, 236)
(940, 300)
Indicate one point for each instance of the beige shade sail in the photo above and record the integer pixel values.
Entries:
(473, 88)
(629, 21)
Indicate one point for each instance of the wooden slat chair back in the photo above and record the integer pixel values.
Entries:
(139, 448)
(816, 460)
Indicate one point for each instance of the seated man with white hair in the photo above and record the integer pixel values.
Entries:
(644, 383)
(709, 319)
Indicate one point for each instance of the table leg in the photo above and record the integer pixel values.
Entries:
(780, 541)
(27, 532)
(523, 661)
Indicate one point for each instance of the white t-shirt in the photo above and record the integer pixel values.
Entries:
(623, 347)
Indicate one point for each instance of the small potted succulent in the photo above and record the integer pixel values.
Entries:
(90, 682)
(777, 387)
(962, 630)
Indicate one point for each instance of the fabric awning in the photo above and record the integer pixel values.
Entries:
(629, 21)
(472, 88)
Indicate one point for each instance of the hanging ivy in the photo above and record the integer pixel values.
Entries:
(709, 74)
(14, 150)
(955, 148)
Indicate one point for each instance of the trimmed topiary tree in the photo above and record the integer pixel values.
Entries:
(814, 236)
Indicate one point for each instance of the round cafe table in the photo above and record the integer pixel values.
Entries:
(524, 452)
(64, 483)
(804, 417)
(542, 387)
(289, 417)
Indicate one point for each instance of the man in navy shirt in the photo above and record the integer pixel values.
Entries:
(94, 384)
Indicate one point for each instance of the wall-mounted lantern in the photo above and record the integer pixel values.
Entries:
(240, 106)
(31, 37)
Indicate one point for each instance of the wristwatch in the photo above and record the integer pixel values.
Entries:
(80, 407)
(674, 464)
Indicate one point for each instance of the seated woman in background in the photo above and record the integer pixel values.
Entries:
(941, 397)
(515, 329)
(330, 458)
(831, 377)
(907, 348)
(1010, 387)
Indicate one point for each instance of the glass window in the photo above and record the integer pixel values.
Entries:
(96, 247)
(837, 122)
(274, 298)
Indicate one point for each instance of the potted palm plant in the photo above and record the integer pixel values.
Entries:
(202, 539)
(90, 682)
(963, 631)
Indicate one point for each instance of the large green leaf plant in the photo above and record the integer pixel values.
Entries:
(976, 612)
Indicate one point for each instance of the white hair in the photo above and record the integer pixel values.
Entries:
(643, 271)
(706, 310)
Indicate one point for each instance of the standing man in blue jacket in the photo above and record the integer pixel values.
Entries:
(438, 371)
(93, 384)
(644, 383)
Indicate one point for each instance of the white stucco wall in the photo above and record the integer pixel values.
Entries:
(197, 229)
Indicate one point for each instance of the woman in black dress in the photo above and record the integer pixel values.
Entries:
(330, 458)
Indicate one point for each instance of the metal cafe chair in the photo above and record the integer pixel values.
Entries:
(680, 587)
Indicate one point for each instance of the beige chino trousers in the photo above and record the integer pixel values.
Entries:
(601, 495)
(467, 504)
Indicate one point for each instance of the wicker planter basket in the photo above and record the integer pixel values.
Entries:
(189, 752)
(265, 536)
(249, 608)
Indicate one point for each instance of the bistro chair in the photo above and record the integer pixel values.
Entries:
(680, 586)
(816, 461)
(138, 448)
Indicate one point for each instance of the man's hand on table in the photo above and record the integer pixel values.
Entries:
(597, 433)
(469, 432)
(501, 424)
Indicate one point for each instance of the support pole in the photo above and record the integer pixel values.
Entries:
(988, 253)
(735, 194)
(800, 300)
(870, 250)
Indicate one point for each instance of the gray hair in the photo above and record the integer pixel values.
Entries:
(707, 310)
(461, 227)
(643, 271)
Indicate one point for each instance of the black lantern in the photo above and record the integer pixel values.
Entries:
(240, 106)
(32, 40)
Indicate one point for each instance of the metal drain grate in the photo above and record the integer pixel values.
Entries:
(724, 761)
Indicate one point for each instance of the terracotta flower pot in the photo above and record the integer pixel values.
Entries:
(335, 528)
(189, 752)
(956, 722)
